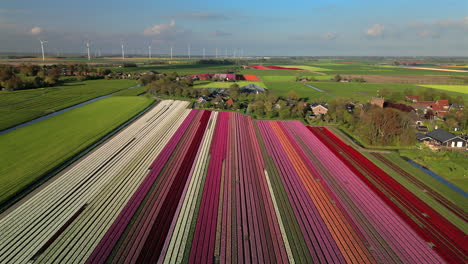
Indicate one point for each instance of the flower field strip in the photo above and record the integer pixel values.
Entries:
(294, 237)
(405, 234)
(107, 243)
(320, 242)
(175, 248)
(348, 242)
(368, 233)
(140, 232)
(238, 194)
(79, 239)
(270, 235)
(437, 196)
(250, 77)
(27, 228)
(152, 247)
(259, 67)
(350, 193)
(448, 240)
(283, 68)
(201, 248)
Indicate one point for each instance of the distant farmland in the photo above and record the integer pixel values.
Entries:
(198, 186)
(452, 88)
(21, 106)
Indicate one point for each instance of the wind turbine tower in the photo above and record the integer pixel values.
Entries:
(87, 46)
(149, 52)
(171, 52)
(189, 51)
(123, 52)
(42, 48)
(203, 53)
(216, 52)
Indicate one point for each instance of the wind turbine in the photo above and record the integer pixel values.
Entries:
(171, 52)
(216, 52)
(189, 51)
(123, 52)
(203, 53)
(87, 46)
(149, 51)
(42, 48)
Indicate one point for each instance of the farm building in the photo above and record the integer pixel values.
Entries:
(440, 137)
(319, 109)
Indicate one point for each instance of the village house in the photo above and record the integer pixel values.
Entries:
(319, 109)
(440, 108)
(442, 138)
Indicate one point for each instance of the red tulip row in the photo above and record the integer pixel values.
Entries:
(448, 240)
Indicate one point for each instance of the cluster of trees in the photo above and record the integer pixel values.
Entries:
(375, 125)
(30, 76)
(171, 85)
(216, 62)
(339, 78)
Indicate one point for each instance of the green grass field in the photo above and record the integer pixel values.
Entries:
(278, 78)
(283, 88)
(208, 84)
(450, 165)
(131, 92)
(452, 88)
(27, 153)
(21, 106)
(369, 69)
(364, 91)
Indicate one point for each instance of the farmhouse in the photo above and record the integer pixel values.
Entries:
(442, 138)
(319, 109)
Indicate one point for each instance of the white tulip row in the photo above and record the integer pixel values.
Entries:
(102, 183)
(174, 247)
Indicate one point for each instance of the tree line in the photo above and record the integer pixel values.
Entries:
(28, 76)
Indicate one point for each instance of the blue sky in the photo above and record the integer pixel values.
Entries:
(328, 27)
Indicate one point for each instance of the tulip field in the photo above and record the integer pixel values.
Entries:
(195, 186)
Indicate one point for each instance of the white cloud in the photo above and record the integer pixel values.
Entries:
(36, 31)
(375, 30)
(160, 29)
